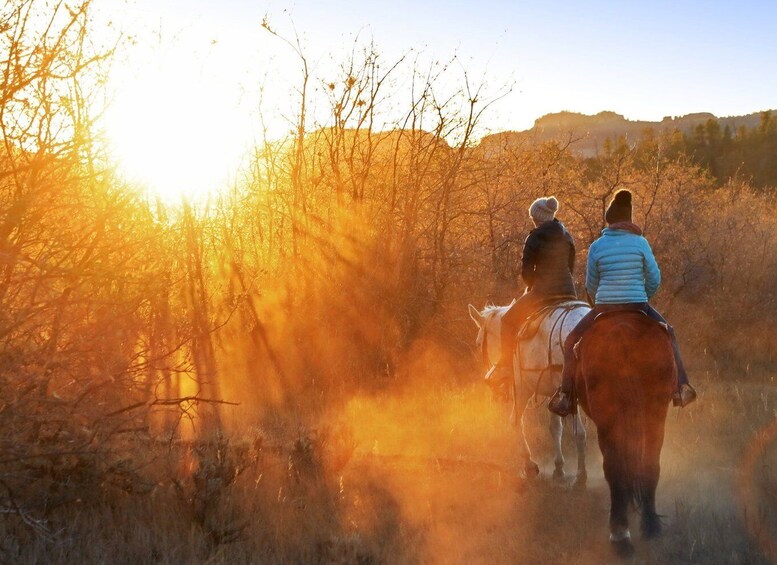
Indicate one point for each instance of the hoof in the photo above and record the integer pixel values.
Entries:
(531, 469)
(623, 548)
(580, 481)
(651, 528)
(559, 475)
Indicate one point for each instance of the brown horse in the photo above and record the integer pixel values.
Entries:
(625, 380)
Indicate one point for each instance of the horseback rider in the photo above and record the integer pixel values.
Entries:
(546, 267)
(622, 274)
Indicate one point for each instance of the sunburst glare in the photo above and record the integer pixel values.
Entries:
(177, 133)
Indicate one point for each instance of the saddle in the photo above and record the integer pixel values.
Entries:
(618, 312)
(611, 313)
(543, 362)
(532, 324)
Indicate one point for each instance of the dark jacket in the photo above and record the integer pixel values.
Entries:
(549, 260)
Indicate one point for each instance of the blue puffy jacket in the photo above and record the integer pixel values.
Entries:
(621, 268)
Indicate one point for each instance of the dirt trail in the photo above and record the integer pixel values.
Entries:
(453, 505)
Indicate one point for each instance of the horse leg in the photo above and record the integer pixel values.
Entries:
(578, 429)
(648, 480)
(620, 496)
(651, 521)
(556, 431)
(530, 467)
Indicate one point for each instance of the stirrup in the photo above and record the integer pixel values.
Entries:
(562, 404)
(684, 396)
(499, 372)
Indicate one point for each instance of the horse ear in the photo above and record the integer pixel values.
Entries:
(476, 316)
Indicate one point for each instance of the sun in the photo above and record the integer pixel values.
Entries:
(176, 132)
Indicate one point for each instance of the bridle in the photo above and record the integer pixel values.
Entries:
(484, 341)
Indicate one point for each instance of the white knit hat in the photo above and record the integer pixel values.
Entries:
(543, 209)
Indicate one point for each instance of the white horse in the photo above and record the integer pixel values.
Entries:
(537, 363)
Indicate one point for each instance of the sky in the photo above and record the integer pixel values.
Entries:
(645, 60)
(641, 59)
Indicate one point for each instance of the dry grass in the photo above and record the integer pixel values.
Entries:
(426, 478)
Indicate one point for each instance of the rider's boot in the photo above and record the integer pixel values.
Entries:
(684, 395)
(499, 372)
(563, 402)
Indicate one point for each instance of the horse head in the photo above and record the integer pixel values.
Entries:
(489, 323)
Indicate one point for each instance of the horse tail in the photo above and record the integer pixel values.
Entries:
(632, 442)
(632, 425)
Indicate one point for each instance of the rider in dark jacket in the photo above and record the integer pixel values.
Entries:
(546, 268)
(549, 260)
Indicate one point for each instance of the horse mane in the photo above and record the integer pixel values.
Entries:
(491, 308)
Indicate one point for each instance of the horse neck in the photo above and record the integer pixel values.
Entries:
(492, 331)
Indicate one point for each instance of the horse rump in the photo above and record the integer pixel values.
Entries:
(625, 381)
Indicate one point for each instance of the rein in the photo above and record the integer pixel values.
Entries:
(559, 325)
(484, 347)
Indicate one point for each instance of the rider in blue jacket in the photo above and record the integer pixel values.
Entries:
(622, 274)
